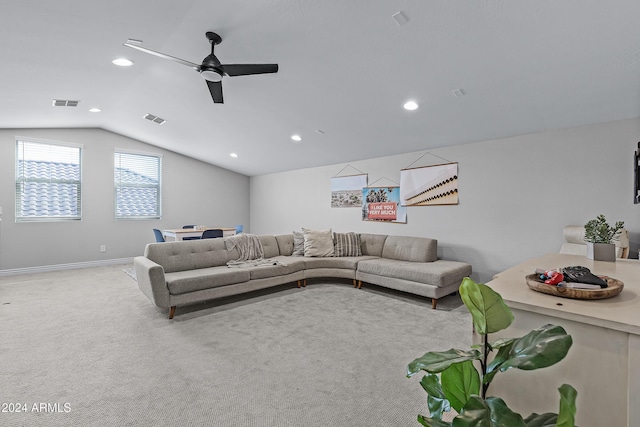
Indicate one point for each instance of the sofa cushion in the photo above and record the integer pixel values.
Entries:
(438, 273)
(182, 282)
(417, 249)
(318, 243)
(347, 244)
(285, 244)
(286, 265)
(269, 245)
(372, 244)
(190, 255)
(349, 263)
(298, 244)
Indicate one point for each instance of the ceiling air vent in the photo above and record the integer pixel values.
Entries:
(65, 103)
(154, 119)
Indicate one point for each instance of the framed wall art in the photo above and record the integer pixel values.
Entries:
(382, 204)
(429, 185)
(346, 191)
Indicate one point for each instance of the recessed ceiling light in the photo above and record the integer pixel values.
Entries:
(122, 62)
(296, 138)
(233, 155)
(410, 105)
(94, 110)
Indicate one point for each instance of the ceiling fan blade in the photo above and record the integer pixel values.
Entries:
(162, 55)
(248, 69)
(215, 88)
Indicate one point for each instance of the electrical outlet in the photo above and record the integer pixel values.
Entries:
(103, 248)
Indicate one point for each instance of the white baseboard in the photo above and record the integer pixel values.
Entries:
(46, 268)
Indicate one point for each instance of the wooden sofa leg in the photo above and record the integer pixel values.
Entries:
(434, 302)
(172, 311)
(355, 283)
(359, 284)
(299, 284)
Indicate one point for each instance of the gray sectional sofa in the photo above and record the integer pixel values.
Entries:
(179, 273)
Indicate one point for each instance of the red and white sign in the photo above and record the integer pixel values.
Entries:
(383, 210)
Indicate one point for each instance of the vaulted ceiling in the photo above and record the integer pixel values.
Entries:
(479, 70)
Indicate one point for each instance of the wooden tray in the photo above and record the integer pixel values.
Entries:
(614, 288)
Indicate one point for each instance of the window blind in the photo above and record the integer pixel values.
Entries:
(48, 181)
(137, 185)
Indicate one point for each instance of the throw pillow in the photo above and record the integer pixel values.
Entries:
(298, 244)
(347, 244)
(318, 243)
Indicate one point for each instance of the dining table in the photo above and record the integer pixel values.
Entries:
(176, 234)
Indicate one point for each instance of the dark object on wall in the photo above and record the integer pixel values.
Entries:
(636, 168)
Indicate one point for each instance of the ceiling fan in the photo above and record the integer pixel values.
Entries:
(211, 68)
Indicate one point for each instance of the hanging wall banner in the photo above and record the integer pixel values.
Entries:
(346, 191)
(429, 185)
(383, 204)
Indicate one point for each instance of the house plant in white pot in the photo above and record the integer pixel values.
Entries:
(599, 236)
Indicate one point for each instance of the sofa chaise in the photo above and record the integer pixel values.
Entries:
(173, 274)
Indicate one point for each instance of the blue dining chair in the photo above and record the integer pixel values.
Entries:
(239, 228)
(212, 234)
(159, 236)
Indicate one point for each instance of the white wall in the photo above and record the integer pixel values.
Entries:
(193, 192)
(515, 194)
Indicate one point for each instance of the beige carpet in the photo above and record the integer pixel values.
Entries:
(91, 347)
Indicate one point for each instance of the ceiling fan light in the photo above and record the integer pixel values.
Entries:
(211, 75)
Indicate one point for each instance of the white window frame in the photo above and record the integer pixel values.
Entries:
(22, 180)
(119, 184)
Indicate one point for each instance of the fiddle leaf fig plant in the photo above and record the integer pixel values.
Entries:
(599, 231)
(460, 379)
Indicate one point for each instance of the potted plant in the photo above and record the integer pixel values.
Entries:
(460, 379)
(599, 236)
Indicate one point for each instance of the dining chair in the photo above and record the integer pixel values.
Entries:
(239, 228)
(212, 234)
(158, 234)
(190, 238)
(574, 243)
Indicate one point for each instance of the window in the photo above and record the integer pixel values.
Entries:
(137, 185)
(48, 181)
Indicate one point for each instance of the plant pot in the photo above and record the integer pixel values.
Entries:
(601, 251)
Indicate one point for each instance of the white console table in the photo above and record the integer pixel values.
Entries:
(603, 364)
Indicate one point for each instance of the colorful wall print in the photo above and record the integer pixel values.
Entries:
(383, 204)
(429, 185)
(346, 191)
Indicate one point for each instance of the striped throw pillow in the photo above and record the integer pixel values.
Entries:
(347, 244)
(298, 243)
